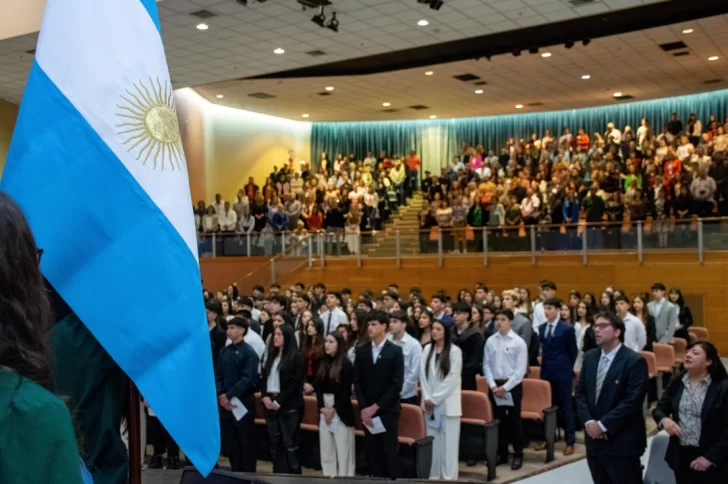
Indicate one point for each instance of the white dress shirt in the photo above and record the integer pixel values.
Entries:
(505, 358)
(610, 357)
(377, 349)
(228, 220)
(635, 335)
(412, 351)
(274, 378)
(539, 316)
(332, 319)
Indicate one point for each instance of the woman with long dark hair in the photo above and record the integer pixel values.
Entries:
(347, 332)
(333, 383)
(694, 412)
(639, 309)
(424, 325)
(685, 317)
(440, 376)
(606, 302)
(585, 337)
(36, 433)
(282, 392)
(312, 349)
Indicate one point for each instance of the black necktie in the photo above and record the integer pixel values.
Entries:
(328, 324)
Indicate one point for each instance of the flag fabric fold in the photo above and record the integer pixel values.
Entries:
(96, 163)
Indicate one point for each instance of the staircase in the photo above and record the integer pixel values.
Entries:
(384, 243)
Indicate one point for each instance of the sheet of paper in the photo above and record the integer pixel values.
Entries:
(504, 402)
(333, 426)
(377, 426)
(239, 410)
(434, 419)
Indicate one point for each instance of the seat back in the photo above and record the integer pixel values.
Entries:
(699, 333)
(534, 372)
(665, 356)
(259, 409)
(357, 415)
(482, 385)
(536, 398)
(679, 345)
(310, 411)
(651, 362)
(476, 406)
(412, 423)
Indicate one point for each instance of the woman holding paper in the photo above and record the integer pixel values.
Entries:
(333, 383)
(440, 375)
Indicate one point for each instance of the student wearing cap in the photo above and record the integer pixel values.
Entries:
(412, 351)
(333, 316)
(236, 376)
(470, 341)
(251, 337)
(664, 312)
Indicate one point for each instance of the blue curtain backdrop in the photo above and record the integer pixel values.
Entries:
(399, 137)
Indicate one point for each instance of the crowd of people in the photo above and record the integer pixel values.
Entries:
(394, 349)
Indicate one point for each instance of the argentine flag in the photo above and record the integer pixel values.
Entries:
(96, 163)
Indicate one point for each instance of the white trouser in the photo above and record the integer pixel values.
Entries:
(445, 449)
(337, 450)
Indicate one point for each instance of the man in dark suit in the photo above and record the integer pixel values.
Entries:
(609, 398)
(558, 354)
(378, 379)
(217, 334)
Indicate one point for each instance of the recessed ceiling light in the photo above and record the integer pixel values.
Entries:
(429, 73)
(304, 115)
(478, 91)
(688, 31)
(546, 54)
(713, 58)
(586, 77)
(423, 23)
(519, 106)
(279, 51)
(219, 96)
(386, 104)
(202, 26)
(433, 117)
(617, 94)
(330, 88)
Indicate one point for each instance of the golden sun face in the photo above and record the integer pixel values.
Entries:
(150, 125)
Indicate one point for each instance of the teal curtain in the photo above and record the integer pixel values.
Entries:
(399, 137)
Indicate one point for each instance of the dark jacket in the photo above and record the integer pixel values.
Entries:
(218, 338)
(714, 422)
(619, 407)
(236, 373)
(686, 320)
(558, 353)
(651, 330)
(379, 383)
(291, 395)
(471, 343)
(341, 391)
(590, 339)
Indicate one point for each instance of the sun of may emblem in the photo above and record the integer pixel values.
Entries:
(149, 122)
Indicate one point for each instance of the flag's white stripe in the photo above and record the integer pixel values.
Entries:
(94, 55)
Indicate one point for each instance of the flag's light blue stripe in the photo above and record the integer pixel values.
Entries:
(151, 6)
(114, 256)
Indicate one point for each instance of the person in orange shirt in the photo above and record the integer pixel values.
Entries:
(413, 168)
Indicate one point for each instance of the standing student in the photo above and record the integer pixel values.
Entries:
(635, 334)
(684, 315)
(282, 392)
(312, 349)
(333, 383)
(609, 398)
(438, 303)
(505, 363)
(639, 309)
(521, 324)
(665, 314)
(333, 316)
(470, 341)
(411, 350)
(548, 291)
(694, 412)
(440, 373)
(378, 379)
(236, 376)
(558, 355)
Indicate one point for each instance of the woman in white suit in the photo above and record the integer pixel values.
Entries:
(440, 376)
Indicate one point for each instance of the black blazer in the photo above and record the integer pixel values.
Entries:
(714, 419)
(590, 339)
(686, 320)
(620, 404)
(291, 395)
(341, 390)
(471, 342)
(651, 330)
(218, 338)
(558, 353)
(379, 383)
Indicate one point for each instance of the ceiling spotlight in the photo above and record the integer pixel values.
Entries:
(519, 106)
(330, 88)
(713, 58)
(279, 51)
(429, 73)
(586, 42)
(688, 31)
(569, 44)
(617, 94)
(586, 77)
(546, 54)
(319, 19)
(304, 115)
(202, 26)
(219, 96)
(333, 23)
(423, 23)
(478, 91)
(386, 105)
(433, 117)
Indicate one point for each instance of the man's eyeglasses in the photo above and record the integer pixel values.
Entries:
(602, 326)
(40, 254)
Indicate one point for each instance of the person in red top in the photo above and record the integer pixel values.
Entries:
(582, 139)
(251, 189)
(315, 220)
(413, 169)
(672, 165)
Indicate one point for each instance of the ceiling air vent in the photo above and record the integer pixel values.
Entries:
(316, 53)
(419, 107)
(324, 93)
(679, 45)
(532, 105)
(623, 97)
(681, 54)
(390, 110)
(203, 14)
(713, 81)
(579, 3)
(480, 83)
(261, 95)
(467, 77)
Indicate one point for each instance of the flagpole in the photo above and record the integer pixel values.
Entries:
(135, 440)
